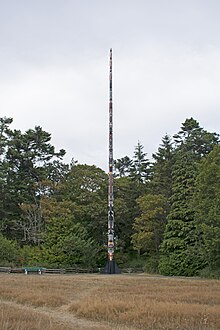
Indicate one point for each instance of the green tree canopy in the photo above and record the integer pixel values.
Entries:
(141, 166)
(86, 187)
(9, 251)
(26, 163)
(179, 248)
(161, 182)
(207, 210)
(150, 224)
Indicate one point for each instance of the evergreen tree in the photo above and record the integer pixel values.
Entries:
(4, 134)
(179, 248)
(193, 138)
(141, 166)
(4, 138)
(207, 211)
(161, 182)
(179, 238)
(26, 158)
(126, 191)
(123, 166)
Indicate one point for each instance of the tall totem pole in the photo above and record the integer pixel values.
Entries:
(111, 267)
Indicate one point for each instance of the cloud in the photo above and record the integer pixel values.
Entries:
(54, 71)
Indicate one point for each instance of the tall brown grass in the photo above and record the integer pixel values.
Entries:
(17, 318)
(150, 303)
(108, 302)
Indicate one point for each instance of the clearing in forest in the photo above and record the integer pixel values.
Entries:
(104, 302)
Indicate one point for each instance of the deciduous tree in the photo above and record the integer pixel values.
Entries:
(149, 226)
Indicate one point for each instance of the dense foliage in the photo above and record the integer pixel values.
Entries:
(167, 210)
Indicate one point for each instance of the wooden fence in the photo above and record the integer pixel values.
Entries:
(72, 270)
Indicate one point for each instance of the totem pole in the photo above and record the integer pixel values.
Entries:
(111, 267)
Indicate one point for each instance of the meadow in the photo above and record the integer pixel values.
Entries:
(104, 302)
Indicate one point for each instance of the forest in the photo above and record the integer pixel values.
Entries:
(167, 210)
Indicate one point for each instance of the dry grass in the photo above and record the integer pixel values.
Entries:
(32, 290)
(22, 318)
(108, 302)
(152, 303)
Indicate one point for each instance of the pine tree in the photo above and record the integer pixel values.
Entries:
(123, 166)
(161, 182)
(194, 138)
(27, 160)
(179, 237)
(179, 248)
(207, 211)
(141, 166)
(126, 191)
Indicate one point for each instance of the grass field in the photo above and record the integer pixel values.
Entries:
(104, 302)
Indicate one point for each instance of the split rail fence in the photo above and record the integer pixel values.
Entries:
(73, 270)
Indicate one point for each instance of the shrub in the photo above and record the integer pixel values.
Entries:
(9, 251)
(151, 265)
(210, 273)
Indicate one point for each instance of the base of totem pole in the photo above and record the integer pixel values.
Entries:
(111, 268)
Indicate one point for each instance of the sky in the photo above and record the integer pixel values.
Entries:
(54, 71)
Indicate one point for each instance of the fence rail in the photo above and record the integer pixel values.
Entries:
(5, 269)
(72, 270)
(42, 270)
(54, 271)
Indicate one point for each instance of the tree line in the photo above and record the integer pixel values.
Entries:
(167, 213)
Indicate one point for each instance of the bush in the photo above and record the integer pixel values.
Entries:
(181, 263)
(9, 252)
(134, 261)
(31, 256)
(122, 259)
(151, 265)
(210, 273)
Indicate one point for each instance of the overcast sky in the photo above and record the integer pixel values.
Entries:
(54, 68)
